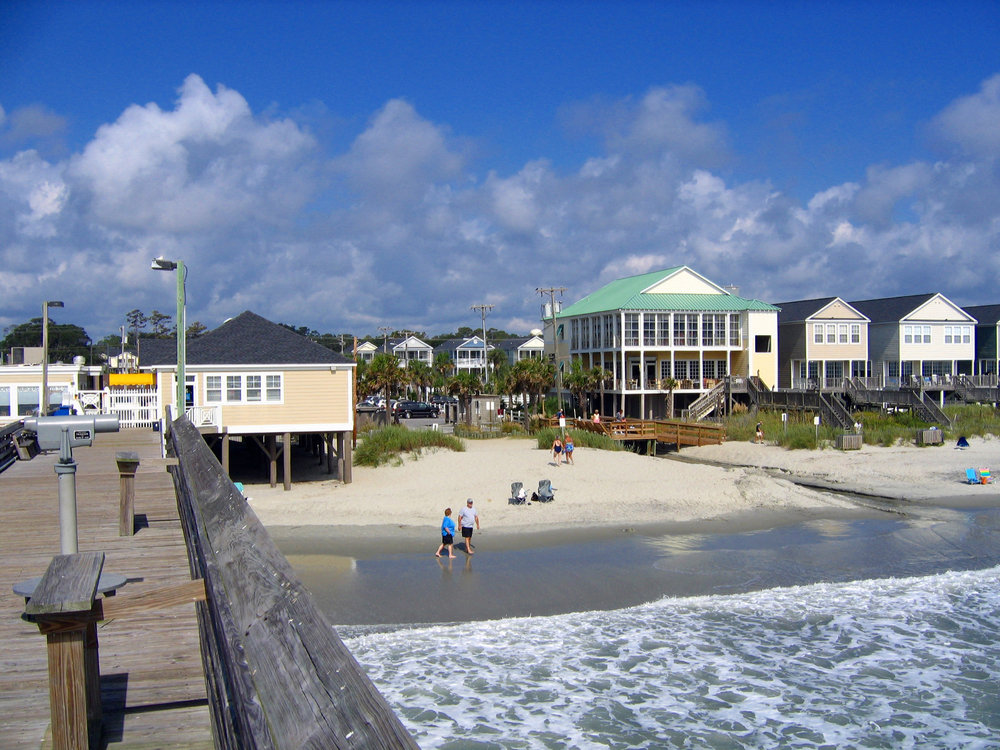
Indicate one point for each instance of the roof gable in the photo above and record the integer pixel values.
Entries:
(914, 307)
(824, 308)
(689, 291)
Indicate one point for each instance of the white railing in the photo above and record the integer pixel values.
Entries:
(204, 416)
(136, 408)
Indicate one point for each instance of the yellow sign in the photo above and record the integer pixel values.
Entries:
(131, 378)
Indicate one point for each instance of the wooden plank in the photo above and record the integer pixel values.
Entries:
(68, 585)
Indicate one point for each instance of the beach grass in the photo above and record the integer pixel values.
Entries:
(386, 444)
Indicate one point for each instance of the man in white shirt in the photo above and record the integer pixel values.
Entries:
(467, 518)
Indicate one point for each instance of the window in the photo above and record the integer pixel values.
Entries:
(842, 333)
(966, 334)
(664, 369)
(947, 334)
(663, 330)
(708, 368)
(907, 334)
(253, 387)
(574, 334)
(609, 331)
(273, 387)
(649, 329)
(596, 326)
(693, 369)
(707, 330)
(721, 368)
(831, 333)
(927, 334)
(818, 333)
(735, 330)
(585, 333)
(692, 330)
(855, 333)
(631, 329)
(680, 330)
(242, 389)
(213, 388)
(761, 344)
(680, 369)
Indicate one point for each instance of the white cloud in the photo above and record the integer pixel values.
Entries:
(973, 122)
(403, 229)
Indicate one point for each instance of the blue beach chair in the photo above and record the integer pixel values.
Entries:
(971, 477)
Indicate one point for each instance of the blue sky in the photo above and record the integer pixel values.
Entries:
(350, 165)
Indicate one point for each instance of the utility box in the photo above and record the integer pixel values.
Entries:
(930, 437)
(849, 441)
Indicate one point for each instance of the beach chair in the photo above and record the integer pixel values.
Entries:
(984, 476)
(971, 477)
(545, 490)
(517, 494)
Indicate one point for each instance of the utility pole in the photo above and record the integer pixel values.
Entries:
(551, 291)
(384, 330)
(486, 369)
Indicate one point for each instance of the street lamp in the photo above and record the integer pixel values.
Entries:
(43, 403)
(162, 264)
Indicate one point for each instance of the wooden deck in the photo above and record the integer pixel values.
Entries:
(152, 681)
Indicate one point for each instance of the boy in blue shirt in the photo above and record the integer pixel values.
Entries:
(447, 534)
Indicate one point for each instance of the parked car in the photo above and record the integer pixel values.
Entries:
(372, 403)
(407, 409)
(440, 400)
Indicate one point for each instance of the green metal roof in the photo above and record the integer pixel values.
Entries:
(627, 294)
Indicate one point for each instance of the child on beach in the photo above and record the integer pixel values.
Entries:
(447, 534)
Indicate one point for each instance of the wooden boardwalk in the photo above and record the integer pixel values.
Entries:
(152, 681)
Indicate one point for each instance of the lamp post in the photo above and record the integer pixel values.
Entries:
(43, 401)
(162, 264)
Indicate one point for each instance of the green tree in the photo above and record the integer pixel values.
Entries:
(160, 323)
(577, 382)
(196, 329)
(420, 375)
(385, 375)
(670, 384)
(65, 339)
(464, 386)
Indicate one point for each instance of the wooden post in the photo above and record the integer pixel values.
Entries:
(225, 452)
(62, 607)
(286, 443)
(346, 464)
(128, 463)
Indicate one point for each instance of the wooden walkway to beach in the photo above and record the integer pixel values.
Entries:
(152, 680)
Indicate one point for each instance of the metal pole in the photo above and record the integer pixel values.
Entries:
(43, 397)
(66, 473)
(486, 370)
(551, 291)
(181, 340)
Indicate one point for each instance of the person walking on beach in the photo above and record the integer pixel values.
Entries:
(557, 447)
(569, 448)
(447, 534)
(467, 518)
(759, 434)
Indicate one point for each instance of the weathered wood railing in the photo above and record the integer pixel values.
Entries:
(277, 674)
(8, 448)
(662, 431)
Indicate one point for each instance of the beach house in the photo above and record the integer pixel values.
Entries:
(921, 339)
(663, 326)
(467, 354)
(987, 335)
(820, 342)
(522, 347)
(21, 386)
(259, 383)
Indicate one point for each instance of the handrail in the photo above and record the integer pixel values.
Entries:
(8, 446)
(277, 674)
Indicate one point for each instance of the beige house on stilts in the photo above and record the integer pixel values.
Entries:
(253, 381)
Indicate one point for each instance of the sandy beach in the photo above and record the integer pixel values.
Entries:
(621, 489)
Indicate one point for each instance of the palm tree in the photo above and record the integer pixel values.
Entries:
(597, 376)
(669, 384)
(385, 374)
(496, 360)
(578, 383)
(465, 385)
(539, 377)
(419, 374)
